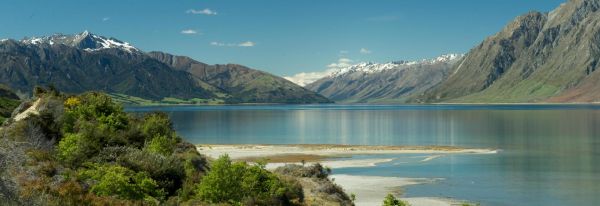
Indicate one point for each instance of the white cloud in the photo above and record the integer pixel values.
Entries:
(341, 63)
(106, 19)
(247, 44)
(306, 78)
(189, 32)
(214, 43)
(365, 51)
(243, 44)
(206, 11)
(344, 52)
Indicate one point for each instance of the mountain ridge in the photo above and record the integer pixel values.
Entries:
(392, 82)
(538, 57)
(85, 61)
(242, 82)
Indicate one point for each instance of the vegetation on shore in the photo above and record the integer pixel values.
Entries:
(85, 150)
(132, 100)
(390, 200)
(9, 101)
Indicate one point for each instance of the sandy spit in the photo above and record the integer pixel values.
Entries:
(319, 152)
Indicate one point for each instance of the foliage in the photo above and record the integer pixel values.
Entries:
(161, 145)
(115, 180)
(235, 183)
(85, 150)
(70, 147)
(314, 171)
(390, 200)
(98, 107)
(117, 159)
(156, 124)
(72, 102)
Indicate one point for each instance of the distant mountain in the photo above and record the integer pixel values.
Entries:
(86, 41)
(392, 82)
(242, 83)
(84, 62)
(539, 57)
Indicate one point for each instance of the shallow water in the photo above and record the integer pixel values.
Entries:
(550, 153)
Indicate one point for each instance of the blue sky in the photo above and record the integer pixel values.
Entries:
(283, 37)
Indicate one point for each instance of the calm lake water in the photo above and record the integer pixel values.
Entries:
(550, 154)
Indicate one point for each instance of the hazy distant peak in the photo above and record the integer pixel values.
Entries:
(306, 78)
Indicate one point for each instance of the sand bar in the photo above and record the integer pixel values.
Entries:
(313, 153)
(369, 190)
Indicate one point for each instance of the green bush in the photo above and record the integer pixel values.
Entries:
(115, 180)
(106, 157)
(156, 124)
(223, 182)
(390, 200)
(161, 144)
(238, 183)
(70, 148)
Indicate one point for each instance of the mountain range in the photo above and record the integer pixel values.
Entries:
(392, 82)
(537, 58)
(85, 61)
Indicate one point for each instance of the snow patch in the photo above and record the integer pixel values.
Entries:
(34, 41)
(73, 40)
(370, 67)
(113, 43)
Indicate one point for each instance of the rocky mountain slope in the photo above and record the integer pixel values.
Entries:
(539, 57)
(390, 82)
(242, 83)
(84, 62)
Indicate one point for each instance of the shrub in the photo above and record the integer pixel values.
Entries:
(223, 182)
(168, 171)
(98, 107)
(157, 123)
(70, 148)
(115, 180)
(314, 171)
(235, 183)
(390, 200)
(161, 144)
(72, 102)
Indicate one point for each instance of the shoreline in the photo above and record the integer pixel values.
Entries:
(375, 104)
(290, 153)
(369, 190)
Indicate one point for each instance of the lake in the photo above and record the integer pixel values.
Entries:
(550, 154)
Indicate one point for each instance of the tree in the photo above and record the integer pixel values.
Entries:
(390, 200)
(238, 183)
(223, 182)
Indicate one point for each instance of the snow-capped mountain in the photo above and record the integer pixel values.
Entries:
(384, 82)
(85, 40)
(88, 62)
(371, 68)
